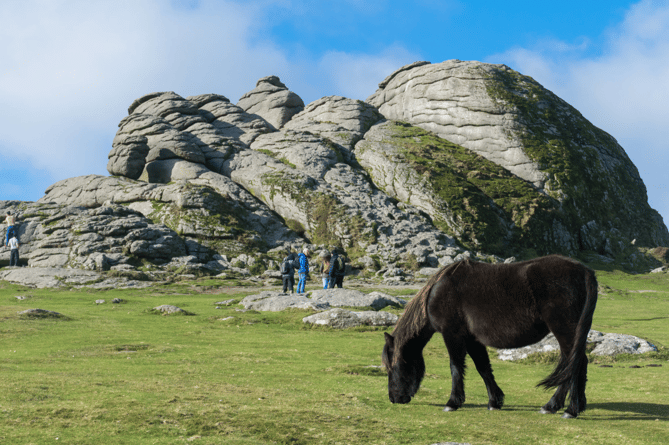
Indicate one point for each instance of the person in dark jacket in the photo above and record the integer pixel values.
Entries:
(288, 273)
(303, 271)
(337, 270)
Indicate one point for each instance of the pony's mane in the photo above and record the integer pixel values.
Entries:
(414, 318)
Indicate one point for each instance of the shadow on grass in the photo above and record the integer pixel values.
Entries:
(633, 411)
(484, 407)
(639, 411)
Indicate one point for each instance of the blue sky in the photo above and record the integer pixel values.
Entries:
(70, 69)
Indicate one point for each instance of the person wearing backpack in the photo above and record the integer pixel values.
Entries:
(303, 271)
(337, 270)
(288, 273)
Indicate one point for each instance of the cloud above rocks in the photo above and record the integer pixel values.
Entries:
(70, 69)
(620, 84)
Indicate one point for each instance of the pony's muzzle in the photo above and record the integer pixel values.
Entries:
(400, 399)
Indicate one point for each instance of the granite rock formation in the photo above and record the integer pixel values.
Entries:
(443, 161)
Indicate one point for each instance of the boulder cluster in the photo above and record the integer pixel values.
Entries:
(444, 161)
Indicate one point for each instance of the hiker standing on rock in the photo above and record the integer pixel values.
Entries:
(10, 220)
(325, 268)
(303, 271)
(288, 273)
(337, 270)
(14, 255)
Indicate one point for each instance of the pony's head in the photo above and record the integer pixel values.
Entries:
(405, 371)
(403, 351)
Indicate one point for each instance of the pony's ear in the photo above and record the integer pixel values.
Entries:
(389, 339)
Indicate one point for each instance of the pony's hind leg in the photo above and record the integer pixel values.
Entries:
(457, 353)
(577, 400)
(479, 354)
(556, 402)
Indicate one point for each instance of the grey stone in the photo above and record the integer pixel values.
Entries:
(340, 120)
(40, 313)
(341, 318)
(450, 99)
(272, 101)
(48, 277)
(428, 271)
(128, 156)
(494, 111)
(169, 309)
(613, 344)
(224, 303)
(99, 301)
(169, 170)
(276, 301)
(355, 298)
(606, 344)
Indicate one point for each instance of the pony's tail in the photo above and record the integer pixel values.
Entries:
(566, 369)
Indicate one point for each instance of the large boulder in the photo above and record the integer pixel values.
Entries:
(466, 195)
(355, 298)
(211, 212)
(342, 319)
(95, 239)
(512, 120)
(272, 101)
(341, 121)
(604, 344)
(276, 301)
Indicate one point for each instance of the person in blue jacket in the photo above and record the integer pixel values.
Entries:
(303, 271)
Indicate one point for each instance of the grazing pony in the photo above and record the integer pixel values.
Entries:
(474, 305)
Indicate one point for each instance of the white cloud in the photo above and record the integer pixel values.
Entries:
(70, 69)
(357, 75)
(624, 89)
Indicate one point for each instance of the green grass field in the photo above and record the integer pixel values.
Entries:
(120, 374)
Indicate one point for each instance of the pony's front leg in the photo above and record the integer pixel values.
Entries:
(457, 353)
(479, 354)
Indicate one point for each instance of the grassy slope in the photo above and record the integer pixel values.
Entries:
(117, 374)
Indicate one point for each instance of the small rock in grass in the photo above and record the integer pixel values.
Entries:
(224, 303)
(40, 313)
(168, 309)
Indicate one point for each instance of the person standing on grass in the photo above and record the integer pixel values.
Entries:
(325, 268)
(288, 274)
(303, 271)
(337, 270)
(14, 255)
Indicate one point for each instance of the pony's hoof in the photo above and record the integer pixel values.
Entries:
(448, 409)
(545, 411)
(493, 408)
(568, 416)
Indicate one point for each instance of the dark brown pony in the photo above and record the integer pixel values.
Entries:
(474, 305)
